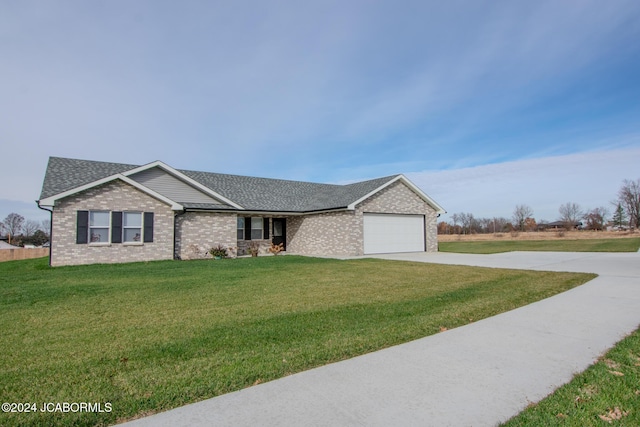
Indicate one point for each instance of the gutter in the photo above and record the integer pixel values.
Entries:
(50, 229)
(269, 212)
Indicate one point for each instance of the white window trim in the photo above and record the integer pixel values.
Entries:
(259, 220)
(89, 227)
(141, 228)
(244, 226)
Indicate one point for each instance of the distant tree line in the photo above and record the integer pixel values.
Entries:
(20, 232)
(626, 214)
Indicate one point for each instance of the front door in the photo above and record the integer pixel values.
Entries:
(280, 232)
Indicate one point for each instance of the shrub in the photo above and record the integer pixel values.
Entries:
(276, 249)
(218, 251)
(254, 248)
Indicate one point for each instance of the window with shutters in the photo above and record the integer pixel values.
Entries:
(132, 227)
(253, 228)
(240, 228)
(99, 226)
(256, 228)
(104, 227)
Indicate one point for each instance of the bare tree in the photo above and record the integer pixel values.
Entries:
(629, 197)
(465, 221)
(530, 224)
(596, 218)
(570, 214)
(455, 218)
(520, 214)
(13, 223)
(485, 225)
(499, 224)
(30, 226)
(45, 225)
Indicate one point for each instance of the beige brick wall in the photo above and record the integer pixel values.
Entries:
(197, 232)
(263, 244)
(331, 233)
(113, 196)
(400, 199)
(341, 233)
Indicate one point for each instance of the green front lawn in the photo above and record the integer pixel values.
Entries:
(147, 337)
(583, 245)
(608, 393)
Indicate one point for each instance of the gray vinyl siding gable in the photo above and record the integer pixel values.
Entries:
(171, 187)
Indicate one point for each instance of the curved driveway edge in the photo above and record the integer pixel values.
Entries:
(475, 375)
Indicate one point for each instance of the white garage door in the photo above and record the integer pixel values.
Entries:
(393, 233)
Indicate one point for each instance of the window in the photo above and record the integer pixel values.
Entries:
(132, 227)
(99, 227)
(253, 228)
(240, 228)
(256, 228)
(114, 227)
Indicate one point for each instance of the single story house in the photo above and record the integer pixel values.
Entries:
(109, 212)
(558, 225)
(5, 245)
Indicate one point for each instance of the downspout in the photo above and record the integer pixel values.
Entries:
(175, 229)
(50, 229)
(437, 240)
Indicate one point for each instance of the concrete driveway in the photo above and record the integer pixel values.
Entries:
(476, 375)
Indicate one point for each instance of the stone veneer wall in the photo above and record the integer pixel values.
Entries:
(342, 233)
(197, 232)
(112, 196)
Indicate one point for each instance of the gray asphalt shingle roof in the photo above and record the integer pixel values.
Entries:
(65, 174)
(260, 194)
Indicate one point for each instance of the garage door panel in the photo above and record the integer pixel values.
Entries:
(393, 233)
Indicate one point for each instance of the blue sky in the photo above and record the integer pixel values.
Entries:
(530, 94)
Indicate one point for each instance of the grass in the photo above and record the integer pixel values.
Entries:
(147, 337)
(583, 245)
(607, 393)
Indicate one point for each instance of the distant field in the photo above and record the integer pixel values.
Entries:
(560, 245)
(538, 235)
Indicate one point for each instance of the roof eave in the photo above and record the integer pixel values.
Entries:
(51, 200)
(439, 209)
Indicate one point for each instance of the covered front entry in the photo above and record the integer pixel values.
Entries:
(280, 232)
(388, 233)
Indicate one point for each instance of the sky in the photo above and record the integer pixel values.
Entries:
(483, 104)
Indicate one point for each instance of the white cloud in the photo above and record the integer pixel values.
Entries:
(328, 91)
(590, 179)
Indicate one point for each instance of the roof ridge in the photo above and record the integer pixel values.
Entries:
(230, 175)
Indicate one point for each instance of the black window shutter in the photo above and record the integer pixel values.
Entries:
(247, 228)
(116, 227)
(148, 227)
(265, 228)
(82, 227)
